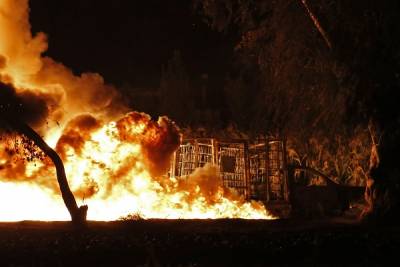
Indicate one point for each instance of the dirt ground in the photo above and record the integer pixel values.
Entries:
(326, 242)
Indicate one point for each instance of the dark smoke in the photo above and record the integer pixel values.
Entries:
(24, 106)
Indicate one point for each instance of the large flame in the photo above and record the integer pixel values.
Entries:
(115, 163)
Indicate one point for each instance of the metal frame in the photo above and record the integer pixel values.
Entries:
(238, 179)
(259, 167)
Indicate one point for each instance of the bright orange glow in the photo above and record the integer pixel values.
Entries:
(115, 163)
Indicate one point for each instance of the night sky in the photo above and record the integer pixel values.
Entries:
(128, 41)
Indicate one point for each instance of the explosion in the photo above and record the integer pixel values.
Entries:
(116, 161)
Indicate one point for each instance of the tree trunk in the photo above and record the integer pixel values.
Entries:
(78, 214)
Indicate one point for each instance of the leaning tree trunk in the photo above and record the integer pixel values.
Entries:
(78, 214)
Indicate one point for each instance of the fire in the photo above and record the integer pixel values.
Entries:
(115, 163)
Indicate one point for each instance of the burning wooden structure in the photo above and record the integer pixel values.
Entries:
(255, 169)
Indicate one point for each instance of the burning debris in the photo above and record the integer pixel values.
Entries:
(257, 170)
(114, 163)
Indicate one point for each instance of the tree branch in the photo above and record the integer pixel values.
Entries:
(317, 24)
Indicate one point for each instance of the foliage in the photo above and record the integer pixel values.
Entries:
(20, 146)
(320, 95)
(344, 158)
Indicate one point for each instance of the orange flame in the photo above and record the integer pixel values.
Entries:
(115, 163)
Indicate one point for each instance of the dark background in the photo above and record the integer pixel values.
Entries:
(127, 42)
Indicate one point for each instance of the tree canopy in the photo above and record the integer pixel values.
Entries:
(326, 69)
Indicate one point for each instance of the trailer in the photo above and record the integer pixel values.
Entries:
(254, 169)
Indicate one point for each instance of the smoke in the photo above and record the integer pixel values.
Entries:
(158, 139)
(115, 162)
(41, 78)
(76, 133)
(86, 93)
(48, 96)
(16, 151)
(207, 183)
(2, 62)
(26, 106)
(132, 155)
(21, 50)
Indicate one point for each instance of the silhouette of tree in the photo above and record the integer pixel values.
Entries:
(16, 116)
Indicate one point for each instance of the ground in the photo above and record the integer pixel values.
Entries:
(198, 243)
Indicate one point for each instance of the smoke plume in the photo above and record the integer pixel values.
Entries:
(41, 78)
(117, 163)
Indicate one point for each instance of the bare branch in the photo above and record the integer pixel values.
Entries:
(317, 24)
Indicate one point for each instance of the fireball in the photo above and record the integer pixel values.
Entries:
(116, 161)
